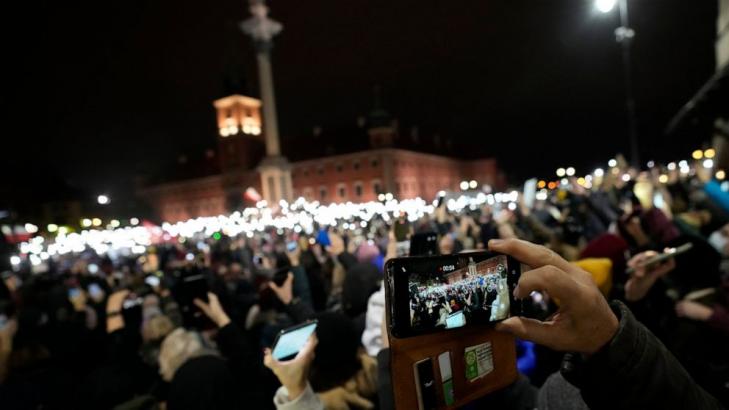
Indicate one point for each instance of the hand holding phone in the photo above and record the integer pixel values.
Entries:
(648, 260)
(213, 309)
(293, 374)
(591, 324)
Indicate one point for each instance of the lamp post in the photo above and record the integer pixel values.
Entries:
(624, 36)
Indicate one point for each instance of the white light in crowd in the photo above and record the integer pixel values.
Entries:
(102, 199)
(570, 171)
(604, 6)
(564, 181)
(381, 197)
(115, 223)
(473, 184)
(663, 179)
(441, 193)
(134, 221)
(651, 164)
(86, 222)
(346, 225)
(35, 260)
(15, 260)
(720, 174)
(44, 256)
(683, 164)
(612, 163)
(93, 268)
(96, 222)
(189, 257)
(389, 196)
(561, 172)
(626, 177)
(363, 224)
(30, 228)
(671, 166)
(542, 195)
(708, 163)
(464, 185)
(599, 172)
(52, 228)
(62, 230)
(512, 206)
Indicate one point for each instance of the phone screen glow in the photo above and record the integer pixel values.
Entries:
(290, 343)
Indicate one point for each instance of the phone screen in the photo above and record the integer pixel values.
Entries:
(291, 340)
(291, 246)
(95, 291)
(432, 294)
(152, 281)
(74, 293)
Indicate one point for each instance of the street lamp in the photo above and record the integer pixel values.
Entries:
(102, 199)
(605, 6)
(624, 35)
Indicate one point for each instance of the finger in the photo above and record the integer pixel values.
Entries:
(309, 347)
(529, 329)
(533, 255)
(547, 278)
(212, 297)
(357, 400)
(202, 305)
(289, 279)
(274, 286)
(268, 360)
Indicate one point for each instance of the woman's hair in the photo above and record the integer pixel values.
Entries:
(177, 348)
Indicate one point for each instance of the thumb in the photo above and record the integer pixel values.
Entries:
(289, 279)
(274, 286)
(528, 329)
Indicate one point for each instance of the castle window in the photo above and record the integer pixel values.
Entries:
(358, 189)
(342, 190)
(322, 192)
(339, 168)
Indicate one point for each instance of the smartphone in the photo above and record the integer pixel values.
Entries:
(424, 244)
(152, 281)
(439, 293)
(73, 293)
(95, 291)
(192, 285)
(258, 260)
(291, 246)
(289, 341)
(661, 257)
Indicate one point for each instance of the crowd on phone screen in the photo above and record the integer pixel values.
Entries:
(431, 302)
(67, 340)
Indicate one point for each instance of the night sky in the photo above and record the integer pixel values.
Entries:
(104, 94)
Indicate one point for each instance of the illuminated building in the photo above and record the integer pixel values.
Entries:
(250, 160)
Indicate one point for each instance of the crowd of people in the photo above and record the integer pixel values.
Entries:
(98, 330)
(432, 302)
